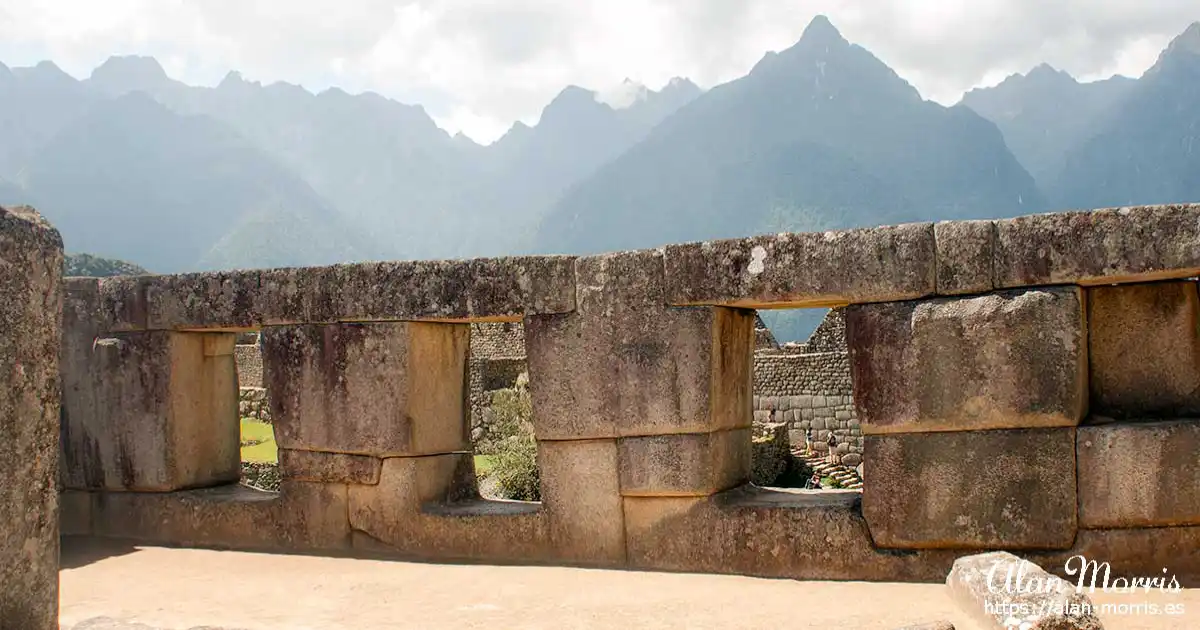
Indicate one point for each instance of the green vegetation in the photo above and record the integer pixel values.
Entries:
(89, 266)
(509, 455)
(484, 464)
(258, 442)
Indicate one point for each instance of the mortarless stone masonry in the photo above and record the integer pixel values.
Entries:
(640, 376)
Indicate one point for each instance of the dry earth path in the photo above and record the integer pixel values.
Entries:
(110, 586)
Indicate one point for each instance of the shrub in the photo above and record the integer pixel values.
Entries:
(515, 468)
(511, 445)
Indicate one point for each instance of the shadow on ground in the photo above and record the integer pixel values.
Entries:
(80, 551)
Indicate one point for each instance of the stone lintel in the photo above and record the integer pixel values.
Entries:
(1106, 246)
(814, 269)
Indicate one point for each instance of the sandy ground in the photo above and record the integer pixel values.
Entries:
(183, 588)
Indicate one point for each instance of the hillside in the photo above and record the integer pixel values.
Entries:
(90, 266)
(387, 168)
(1044, 113)
(1148, 149)
(821, 135)
(131, 179)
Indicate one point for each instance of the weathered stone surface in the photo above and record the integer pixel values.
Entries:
(1139, 474)
(771, 451)
(464, 290)
(1106, 246)
(1001, 591)
(1128, 553)
(811, 269)
(964, 256)
(934, 625)
(972, 489)
(694, 464)
(581, 494)
(427, 507)
(31, 263)
(301, 517)
(624, 364)
(329, 467)
(379, 389)
(808, 535)
(148, 411)
(1004, 360)
(123, 306)
(1145, 349)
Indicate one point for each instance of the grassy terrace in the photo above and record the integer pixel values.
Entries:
(258, 446)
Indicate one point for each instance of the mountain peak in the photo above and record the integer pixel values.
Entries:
(232, 79)
(1188, 41)
(821, 31)
(1182, 52)
(127, 74)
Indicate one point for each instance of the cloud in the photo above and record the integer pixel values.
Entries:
(478, 65)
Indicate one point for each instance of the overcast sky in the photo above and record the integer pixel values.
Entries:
(478, 65)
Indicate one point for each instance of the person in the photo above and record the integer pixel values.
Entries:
(814, 482)
(832, 448)
(808, 442)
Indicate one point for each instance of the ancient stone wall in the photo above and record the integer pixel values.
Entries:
(249, 365)
(1024, 384)
(31, 317)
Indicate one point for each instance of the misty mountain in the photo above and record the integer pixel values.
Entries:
(132, 164)
(1046, 112)
(821, 135)
(1148, 149)
(132, 179)
(389, 169)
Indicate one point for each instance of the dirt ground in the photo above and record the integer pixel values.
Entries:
(177, 589)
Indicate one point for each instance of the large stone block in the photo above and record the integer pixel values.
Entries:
(964, 256)
(329, 467)
(1145, 349)
(382, 389)
(624, 364)
(300, 517)
(31, 263)
(694, 464)
(427, 507)
(799, 534)
(972, 489)
(1103, 555)
(149, 411)
(1139, 474)
(581, 494)
(483, 289)
(1107, 246)
(998, 361)
(805, 270)
(1001, 591)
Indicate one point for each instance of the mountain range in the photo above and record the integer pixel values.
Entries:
(132, 164)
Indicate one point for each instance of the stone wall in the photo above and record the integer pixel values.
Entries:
(31, 319)
(1023, 384)
(253, 403)
(249, 365)
(808, 387)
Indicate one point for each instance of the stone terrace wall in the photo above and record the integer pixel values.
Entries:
(976, 351)
(809, 392)
(31, 318)
(249, 365)
(808, 387)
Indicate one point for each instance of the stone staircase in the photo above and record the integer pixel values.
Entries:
(846, 476)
